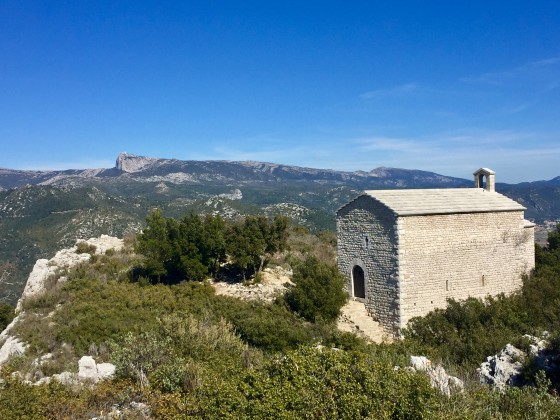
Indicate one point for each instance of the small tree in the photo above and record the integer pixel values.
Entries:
(153, 243)
(276, 237)
(318, 292)
(215, 241)
(252, 242)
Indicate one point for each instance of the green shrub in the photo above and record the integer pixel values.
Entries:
(85, 248)
(270, 327)
(482, 402)
(311, 383)
(318, 292)
(203, 339)
(168, 358)
(137, 356)
(466, 332)
(56, 401)
(193, 248)
(6, 315)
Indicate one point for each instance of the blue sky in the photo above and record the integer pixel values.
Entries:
(441, 86)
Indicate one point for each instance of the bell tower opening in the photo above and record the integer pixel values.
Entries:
(485, 178)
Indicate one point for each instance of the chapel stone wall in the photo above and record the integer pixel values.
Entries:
(366, 235)
(461, 255)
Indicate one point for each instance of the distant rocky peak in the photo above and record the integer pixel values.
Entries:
(381, 172)
(133, 163)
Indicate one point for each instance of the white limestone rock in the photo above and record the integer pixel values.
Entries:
(105, 242)
(65, 378)
(45, 380)
(506, 368)
(131, 163)
(420, 363)
(11, 347)
(439, 379)
(537, 344)
(65, 258)
(88, 370)
(38, 283)
(37, 362)
(503, 369)
(105, 371)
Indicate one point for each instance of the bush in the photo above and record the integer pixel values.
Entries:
(85, 248)
(6, 315)
(56, 401)
(137, 356)
(466, 332)
(318, 292)
(270, 327)
(311, 383)
(203, 339)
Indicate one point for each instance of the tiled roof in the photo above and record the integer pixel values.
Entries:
(443, 201)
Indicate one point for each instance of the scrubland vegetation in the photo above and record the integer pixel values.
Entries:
(187, 352)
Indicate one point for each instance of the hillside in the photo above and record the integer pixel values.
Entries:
(91, 341)
(42, 211)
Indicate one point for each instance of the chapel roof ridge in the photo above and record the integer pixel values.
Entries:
(411, 202)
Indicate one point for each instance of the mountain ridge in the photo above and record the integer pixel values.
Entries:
(43, 211)
(135, 166)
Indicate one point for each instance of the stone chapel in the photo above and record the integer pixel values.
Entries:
(405, 252)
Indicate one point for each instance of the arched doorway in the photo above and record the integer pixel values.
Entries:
(359, 282)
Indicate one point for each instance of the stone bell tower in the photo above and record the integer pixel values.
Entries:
(485, 178)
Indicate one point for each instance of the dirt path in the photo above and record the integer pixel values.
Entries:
(353, 318)
(273, 284)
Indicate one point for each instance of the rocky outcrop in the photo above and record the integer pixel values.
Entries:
(46, 274)
(88, 370)
(38, 281)
(439, 379)
(506, 368)
(43, 269)
(12, 347)
(503, 369)
(131, 163)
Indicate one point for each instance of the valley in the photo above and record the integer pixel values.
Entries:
(43, 211)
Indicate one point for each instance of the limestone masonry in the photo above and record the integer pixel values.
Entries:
(405, 252)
